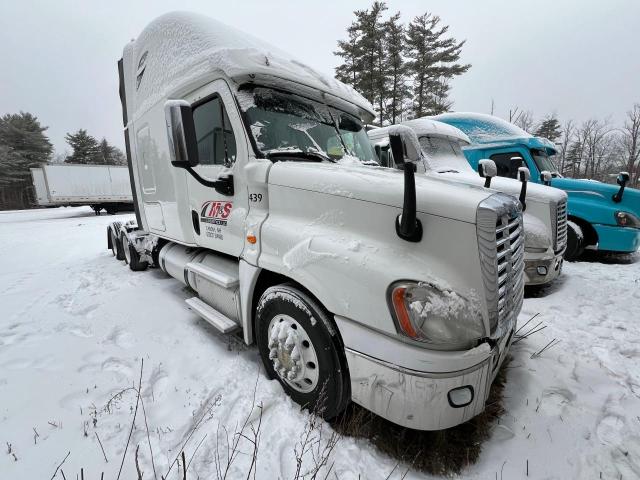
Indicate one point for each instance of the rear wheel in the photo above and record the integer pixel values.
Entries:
(575, 241)
(114, 241)
(299, 347)
(131, 255)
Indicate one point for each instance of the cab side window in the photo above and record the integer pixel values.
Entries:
(506, 166)
(216, 142)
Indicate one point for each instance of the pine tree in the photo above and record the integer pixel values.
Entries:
(23, 145)
(549, 128)
(433, 63)
(396, 69)
(364, 55)
(86, 149)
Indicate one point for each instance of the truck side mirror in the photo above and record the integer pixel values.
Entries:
(408, 227)
(181, 132)
(524, 175)
(623, 178)
(487, 169)
(545, 177)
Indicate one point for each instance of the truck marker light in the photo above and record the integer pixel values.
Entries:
(401, 312)
(461, 396)
(251, 239)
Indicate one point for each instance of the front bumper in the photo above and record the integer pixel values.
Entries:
(421, 400)
(542, 269)
(618, 239)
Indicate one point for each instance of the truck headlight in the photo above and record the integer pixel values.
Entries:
(626, 219)
(435, 315)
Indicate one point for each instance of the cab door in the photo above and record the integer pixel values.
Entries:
(218, 218)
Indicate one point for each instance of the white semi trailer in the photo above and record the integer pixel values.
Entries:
(99, 186)
(369, 284)
(545, 216)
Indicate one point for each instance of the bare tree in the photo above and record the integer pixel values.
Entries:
(522, 118)
(630, 142)
(568, 131)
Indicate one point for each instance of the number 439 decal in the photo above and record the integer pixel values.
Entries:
(255, 197)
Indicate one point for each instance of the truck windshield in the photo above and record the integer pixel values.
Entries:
(444, 154)
(282, 122)
(544, 161)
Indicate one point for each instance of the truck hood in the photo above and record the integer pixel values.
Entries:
(535, 192)
(380, 185)
(581, 188)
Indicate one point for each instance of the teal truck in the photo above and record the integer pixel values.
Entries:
(601, 216)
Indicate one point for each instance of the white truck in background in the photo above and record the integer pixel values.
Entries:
(99, 186)
(545, 208)
(366, 283)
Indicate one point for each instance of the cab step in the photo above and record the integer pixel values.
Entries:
(218, 277)
(218, 320)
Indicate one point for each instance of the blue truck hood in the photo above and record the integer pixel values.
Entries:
(580, 188)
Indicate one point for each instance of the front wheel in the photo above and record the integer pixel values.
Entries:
(575, 241)
(299, 346)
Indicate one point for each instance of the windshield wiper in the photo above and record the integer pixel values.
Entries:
(311, 156)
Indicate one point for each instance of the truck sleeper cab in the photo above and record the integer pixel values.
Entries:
(249, 185)
(599, 219)
(545, 219)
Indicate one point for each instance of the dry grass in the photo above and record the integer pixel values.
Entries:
(443, 452)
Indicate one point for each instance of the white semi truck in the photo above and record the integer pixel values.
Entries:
(99, 186)
(369, 284)
(545, 216)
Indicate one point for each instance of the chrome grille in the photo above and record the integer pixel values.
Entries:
(560, 226)
(501, 250)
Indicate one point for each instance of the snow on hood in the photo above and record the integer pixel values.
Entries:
(381, 186)
(178, 48)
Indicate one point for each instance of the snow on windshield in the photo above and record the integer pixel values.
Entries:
(443, 154)
(281, 122)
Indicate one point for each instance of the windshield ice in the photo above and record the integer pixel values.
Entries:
(281, 122)
(443, 154)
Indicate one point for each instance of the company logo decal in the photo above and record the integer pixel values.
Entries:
(215, 212)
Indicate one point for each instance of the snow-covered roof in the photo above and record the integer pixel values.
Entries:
(426, 126)
(179, 48)
(482, 128)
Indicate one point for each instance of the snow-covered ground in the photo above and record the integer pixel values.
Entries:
(75, 324)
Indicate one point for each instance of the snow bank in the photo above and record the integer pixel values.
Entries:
(75, 324)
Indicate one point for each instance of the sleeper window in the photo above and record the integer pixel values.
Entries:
(216, 142)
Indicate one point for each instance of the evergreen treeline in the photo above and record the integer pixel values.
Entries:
(24, 145)
(403, 70)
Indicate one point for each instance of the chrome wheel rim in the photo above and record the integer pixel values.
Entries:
(292, 354)
(114, 243)
(125, 247)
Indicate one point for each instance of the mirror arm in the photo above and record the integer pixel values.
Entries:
(622, 181)
(223, 186)
(487, 182)
(523, 195)
(408, 226)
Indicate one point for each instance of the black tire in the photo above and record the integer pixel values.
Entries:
(113, 241)
(332, 392)
(133, 257)
(575, 242)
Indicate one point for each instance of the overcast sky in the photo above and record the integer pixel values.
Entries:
(578, 58)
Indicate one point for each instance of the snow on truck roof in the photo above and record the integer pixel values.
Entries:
(178, 48)
(482, 128)
(424, 126)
